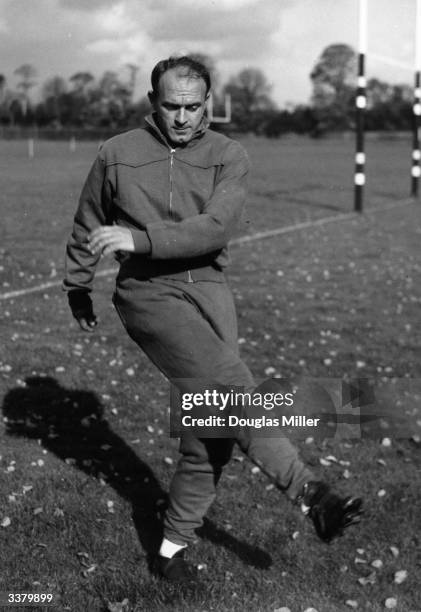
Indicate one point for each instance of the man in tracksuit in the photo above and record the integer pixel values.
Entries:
(166, 199)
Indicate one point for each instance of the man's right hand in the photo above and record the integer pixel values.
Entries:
(81, 306)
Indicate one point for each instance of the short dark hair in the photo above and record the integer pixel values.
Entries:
(194, 69)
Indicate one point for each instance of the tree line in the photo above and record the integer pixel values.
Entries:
(84, 101)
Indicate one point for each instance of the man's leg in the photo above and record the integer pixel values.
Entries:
(189, 331)
(193, 487)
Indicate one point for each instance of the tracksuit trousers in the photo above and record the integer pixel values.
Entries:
(189, 331)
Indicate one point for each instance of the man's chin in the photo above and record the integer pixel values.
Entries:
(181, 137)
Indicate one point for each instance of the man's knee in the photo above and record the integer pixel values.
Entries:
(219, 450)
(215, 451)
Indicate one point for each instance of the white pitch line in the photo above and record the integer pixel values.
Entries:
(48, 285)
(316, 223)
(290, 228)
(236, 242)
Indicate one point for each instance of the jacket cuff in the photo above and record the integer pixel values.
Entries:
(80, 302)
(158, 238)
(142, 244)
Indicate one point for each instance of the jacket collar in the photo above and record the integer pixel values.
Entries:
(152, 125)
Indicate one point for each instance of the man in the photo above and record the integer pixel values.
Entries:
(166, 199)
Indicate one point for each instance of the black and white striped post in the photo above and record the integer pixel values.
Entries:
(416, 154)
(360, 103)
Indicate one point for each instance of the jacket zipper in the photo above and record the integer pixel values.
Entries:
(172, 151)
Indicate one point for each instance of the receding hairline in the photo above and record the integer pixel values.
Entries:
(185, 67)
(183, 75)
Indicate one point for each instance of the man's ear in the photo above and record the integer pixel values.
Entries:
(208, 95)
(152, 97)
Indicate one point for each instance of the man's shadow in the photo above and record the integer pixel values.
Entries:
(71, 425)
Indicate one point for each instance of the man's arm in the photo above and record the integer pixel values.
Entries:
(212, 229)
(81, 263)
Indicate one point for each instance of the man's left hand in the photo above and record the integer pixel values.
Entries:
(110, 238)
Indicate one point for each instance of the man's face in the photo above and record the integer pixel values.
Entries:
(179, 104)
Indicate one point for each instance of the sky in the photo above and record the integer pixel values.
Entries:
(284, 38)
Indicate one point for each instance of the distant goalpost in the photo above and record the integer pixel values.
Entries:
(226, 118)
(361, 103)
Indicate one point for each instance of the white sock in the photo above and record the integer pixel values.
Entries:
(168, 549)
(305, 509)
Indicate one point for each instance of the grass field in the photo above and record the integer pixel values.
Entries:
(85, 456)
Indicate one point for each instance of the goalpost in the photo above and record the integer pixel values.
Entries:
(361, 103)
(212, 118)
(416, 155)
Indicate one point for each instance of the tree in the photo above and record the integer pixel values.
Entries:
(80, 80)
(109, 83)
(378, 92)
(133, 70)
(76, 105)
(333, 78)
(249, 91)
(299, 120)
(53, 93)
(115, 98)
(389, 107)
(5, 116)
(137, 112)
(2, 88)
(27, 74)
(54, 88)
(11, 108)
(107, 103)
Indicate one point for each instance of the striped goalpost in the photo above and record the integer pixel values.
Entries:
(361, 103)
(416, 155)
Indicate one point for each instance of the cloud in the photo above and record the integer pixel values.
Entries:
(86, 5)
(282, 37)
(212, 23)
(104, 46)
(127, 50)
(116, 19)
(225, 5)
(237, 32)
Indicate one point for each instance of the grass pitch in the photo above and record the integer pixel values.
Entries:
(85, 453)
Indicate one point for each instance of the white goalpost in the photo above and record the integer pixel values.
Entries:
(361, 103)
(227, 117)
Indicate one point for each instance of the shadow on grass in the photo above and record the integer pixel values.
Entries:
(71, 425)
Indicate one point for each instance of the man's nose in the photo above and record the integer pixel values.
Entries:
(180, 116)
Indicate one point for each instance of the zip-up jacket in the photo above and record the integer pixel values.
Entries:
(188, 200)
